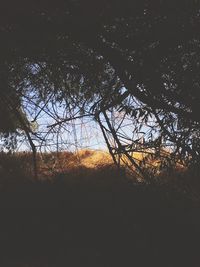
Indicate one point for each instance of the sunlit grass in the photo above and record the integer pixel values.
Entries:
(87, 168)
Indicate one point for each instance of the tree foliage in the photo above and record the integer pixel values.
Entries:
(138, 60)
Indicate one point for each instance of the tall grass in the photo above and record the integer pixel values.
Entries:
(86, 168)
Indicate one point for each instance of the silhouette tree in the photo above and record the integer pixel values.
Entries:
(139, 58)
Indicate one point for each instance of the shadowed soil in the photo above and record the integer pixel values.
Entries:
(51, 225)
(95, 217)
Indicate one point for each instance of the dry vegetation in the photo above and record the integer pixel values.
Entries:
(88, 168)
(85, 166)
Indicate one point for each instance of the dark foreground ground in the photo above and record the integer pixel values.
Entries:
(44, 225)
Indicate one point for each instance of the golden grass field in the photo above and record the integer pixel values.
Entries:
(87, 167)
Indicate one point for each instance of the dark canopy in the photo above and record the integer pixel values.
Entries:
(153, 44)
(153, 47)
